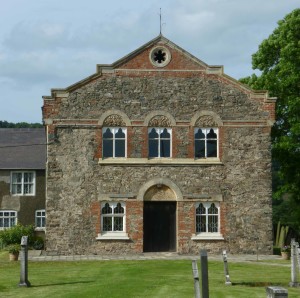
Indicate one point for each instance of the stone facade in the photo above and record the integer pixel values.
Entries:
(136, 93)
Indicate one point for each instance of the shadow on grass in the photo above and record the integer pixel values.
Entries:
(256, 284)
(63, 283)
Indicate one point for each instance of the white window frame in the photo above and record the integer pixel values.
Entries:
(207, 235)
(12, 215)
(206, 130)
(118, 235)
(159, 130)
(23, 183)
(40, 214)
(114, 131)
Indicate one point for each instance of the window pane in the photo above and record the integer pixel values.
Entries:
(28, 188)
(211, 134)
(153, 148)
(43, 223)
(199, 148)
(118, 223)
(106, 209)
(199, 134)
(212, 223)
(107, 148)
(120, 134)
(107, 134)
(212, 148)
(165, 134)
(153, 134)
(213, 209)
(107, 224)
(28, 177)
(120, 148)
(165, 148)
(200, 209)
(17, 177)
(119, 209)
(200, 224)
(38, 222)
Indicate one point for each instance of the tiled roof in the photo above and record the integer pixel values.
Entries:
(22, 148)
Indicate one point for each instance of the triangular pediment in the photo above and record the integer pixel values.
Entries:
(158, 54)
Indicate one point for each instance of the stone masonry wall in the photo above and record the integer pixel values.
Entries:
(78, 180)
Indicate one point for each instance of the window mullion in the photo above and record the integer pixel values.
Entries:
(22, 183)
(206, 219)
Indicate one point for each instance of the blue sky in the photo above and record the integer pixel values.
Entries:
(48, 44)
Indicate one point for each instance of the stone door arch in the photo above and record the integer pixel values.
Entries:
(160, 215)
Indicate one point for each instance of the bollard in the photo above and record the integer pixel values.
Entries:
(294, 257)
(226, 271)
(196, 279)
(24, 263)
(276, 292)
(204, 274)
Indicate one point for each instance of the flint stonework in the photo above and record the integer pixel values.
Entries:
(179, 94)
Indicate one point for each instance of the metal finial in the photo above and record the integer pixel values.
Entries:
(160, 21)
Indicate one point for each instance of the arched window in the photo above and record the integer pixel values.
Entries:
(207, 217)
(114, 142)
(159, 140)
(113, 217)
(206, 142)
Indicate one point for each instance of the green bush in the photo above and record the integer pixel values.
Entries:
(276, 250)
(38, 243)
(14, 234)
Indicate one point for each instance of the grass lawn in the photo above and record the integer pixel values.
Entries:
(153, 278)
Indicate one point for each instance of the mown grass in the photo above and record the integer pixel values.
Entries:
(153, 278)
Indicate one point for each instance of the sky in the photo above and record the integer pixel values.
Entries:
(47, 44)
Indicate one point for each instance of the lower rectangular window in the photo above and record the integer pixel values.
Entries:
(40, 218)
(8, 219)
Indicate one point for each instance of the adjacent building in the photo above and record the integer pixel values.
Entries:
(158, 152)
(22, 177)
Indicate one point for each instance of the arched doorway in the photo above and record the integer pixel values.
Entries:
(159, 219)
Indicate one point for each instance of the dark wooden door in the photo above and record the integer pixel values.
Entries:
(159, 226)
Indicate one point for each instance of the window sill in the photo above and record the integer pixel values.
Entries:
(113, 236)
(160, 161)
(207, 236)
(40, 229)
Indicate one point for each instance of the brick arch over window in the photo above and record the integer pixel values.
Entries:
(159, 118)
(114, 115)
(206, 118)
(163, 182)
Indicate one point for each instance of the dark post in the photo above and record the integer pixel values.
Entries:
(24, 263)
(204, 274)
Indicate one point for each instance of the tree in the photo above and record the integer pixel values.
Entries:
(5, 124)
(278, 59)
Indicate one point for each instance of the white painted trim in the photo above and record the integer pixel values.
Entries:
(160, 161)
(113, 236)
(207, 236)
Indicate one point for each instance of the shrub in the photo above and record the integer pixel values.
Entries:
(276, 250)
(38, 243)
(14, 234)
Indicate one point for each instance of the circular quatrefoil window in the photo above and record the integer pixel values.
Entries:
(160, 56)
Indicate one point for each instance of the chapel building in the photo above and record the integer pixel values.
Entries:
(158, 152)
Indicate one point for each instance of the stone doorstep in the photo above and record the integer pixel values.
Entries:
(34, 253)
